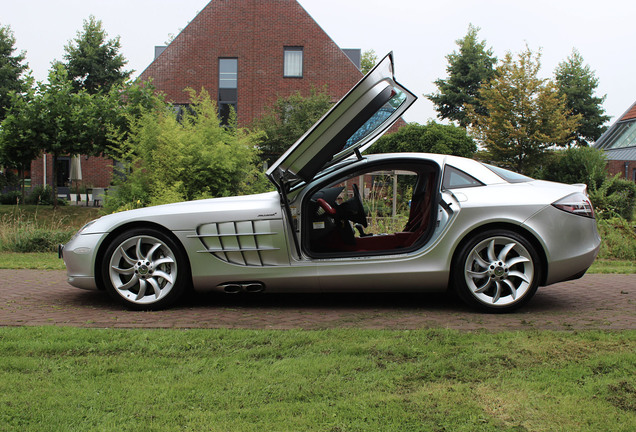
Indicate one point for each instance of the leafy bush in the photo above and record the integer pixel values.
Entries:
(8, 179)
(619, 239)
(11, 198)
(575, 165)
(39, 239)
(166, 160)
(287, 119)
(611, 196)
(614, 197)
(27, 231)
(42, 195)
(429, 138)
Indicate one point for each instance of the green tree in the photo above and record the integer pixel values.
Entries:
(467, 70)
(68, 120)
(18, 137)
(578, 83)
(368, 61)
(12, 70)
(128, 102)
(526, 114)
(288, 119)
(61, 121)
(94, 63)
(432, 137)
(169, 160)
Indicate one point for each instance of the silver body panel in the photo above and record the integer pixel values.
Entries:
(569, 242)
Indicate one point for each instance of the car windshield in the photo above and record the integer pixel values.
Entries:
(509, 176)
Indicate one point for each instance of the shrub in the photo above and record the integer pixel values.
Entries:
(166, 159)
(432, 137)
(39, 239)
(11, 198)
(619, 239)
(20, 232)
(575, 165)
(42, 195)
(614, 197)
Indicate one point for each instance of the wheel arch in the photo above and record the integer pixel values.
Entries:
(528, 235)
(135, 225)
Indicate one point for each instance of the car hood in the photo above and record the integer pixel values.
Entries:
(350, 126)
(188, 215)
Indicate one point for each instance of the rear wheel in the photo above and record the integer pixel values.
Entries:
(497, 271)
(145, 269)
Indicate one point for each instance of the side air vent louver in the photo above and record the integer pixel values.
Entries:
(248, 243)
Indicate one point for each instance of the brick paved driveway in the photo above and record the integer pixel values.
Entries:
(30, 297)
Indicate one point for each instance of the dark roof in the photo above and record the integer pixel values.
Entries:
(621, 154)
(619, 141)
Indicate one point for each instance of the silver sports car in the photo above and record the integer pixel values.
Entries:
(343, 221)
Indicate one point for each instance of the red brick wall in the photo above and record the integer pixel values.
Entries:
(96, 171)
(255, 32)
(618, 167)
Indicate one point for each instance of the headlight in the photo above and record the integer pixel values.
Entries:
(577, 204)
(83, 228)
(87, 225)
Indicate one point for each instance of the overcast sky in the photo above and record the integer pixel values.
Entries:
(419, 32)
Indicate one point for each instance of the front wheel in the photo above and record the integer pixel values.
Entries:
(497, 271)
(145, 269)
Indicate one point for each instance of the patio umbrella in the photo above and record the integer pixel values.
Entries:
(76, 168)
(76, 171)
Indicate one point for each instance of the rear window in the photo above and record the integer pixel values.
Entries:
(509, 176)
(455, 179)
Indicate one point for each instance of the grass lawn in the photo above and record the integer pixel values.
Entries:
(613, 266)
(338, 380)
(35, 261)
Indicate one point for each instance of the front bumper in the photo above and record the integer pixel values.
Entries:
(79, 257)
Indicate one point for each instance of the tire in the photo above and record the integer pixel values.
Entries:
(145, 269)
(497, 271)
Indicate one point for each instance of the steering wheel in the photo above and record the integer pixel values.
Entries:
(326, 207)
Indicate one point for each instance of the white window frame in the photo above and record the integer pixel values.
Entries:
(293, 62)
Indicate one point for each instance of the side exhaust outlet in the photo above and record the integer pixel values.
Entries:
(246, 287)
(253, 287)
(231, 288)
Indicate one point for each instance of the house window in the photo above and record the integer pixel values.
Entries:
(293, 62)
(228, 87)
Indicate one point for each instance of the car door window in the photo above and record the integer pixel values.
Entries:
(379, 211)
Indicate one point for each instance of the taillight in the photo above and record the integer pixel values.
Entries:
(577, 204)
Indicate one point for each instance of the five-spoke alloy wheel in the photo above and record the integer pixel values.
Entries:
(497, 271)
(144, 268)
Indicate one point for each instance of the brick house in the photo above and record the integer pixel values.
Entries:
(246, 54)
(96, 172)
(619, 144)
